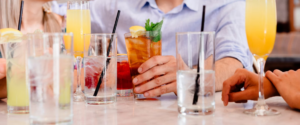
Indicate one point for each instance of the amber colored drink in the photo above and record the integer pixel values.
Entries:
(139, 50)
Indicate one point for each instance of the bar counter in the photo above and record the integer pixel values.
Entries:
(164, 112)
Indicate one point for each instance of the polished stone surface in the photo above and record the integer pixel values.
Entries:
(164, 112)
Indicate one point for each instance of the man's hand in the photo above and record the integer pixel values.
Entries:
(243, 78)
(160, 72)
(288, 86)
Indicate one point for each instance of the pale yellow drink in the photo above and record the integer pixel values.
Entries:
(17, 93)
(79, 23)
(261, 24)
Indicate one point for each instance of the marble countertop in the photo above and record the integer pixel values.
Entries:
(164, 112)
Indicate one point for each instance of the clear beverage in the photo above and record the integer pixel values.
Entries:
(17, 90)
(93, 66)
(261, 22)
(50, 80)
(186, 90)
(139, 50)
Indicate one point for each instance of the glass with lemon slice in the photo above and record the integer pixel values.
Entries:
(13, 48)
(141, 45)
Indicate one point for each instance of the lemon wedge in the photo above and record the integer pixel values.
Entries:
(137, 31)
(8, 34)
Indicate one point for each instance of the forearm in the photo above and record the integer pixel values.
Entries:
(3, 91)
(225, 68)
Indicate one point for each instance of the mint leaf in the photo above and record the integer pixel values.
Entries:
(147, 25)
(156, 28)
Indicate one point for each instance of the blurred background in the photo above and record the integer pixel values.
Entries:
(286, 52)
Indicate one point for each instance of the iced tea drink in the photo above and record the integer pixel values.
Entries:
(139, 50)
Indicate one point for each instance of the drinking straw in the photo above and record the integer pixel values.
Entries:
(197, 86)
(107, 54)
(20, 16)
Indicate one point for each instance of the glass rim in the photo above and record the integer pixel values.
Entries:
(193, 33)
(100, 34)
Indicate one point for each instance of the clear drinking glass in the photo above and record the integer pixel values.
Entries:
(78, 23)
(50, 77)
(17, 90)
(261, 22)
(100, 68)
(195, 73)
(124, 81)
(139, 50)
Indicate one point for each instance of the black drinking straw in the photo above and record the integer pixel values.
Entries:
(107, 54)
(197, 86)
(20, 16)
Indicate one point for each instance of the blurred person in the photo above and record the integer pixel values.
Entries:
(37, 15)
(277, 83)
(225, 17)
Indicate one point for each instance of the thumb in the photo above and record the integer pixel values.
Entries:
(2, 68)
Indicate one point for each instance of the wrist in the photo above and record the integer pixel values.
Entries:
(270, 90)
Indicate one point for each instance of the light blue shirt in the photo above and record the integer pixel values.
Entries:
(225, 17)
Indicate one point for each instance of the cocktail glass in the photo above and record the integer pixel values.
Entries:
(139, 50)
(98, 65)
(124, 81)
(195, 73)
(50, 78)
(78, 23)
(261, 21)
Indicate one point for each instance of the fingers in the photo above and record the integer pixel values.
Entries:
(155, 71)
(156, 82)
(248, 94)
(278, 72)
(272, 77)
(172, 87)
(154, 61)
(237, 78)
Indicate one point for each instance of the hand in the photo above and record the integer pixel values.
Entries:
(243, 78)
(161, 70)
(288, 86)
(3, 90)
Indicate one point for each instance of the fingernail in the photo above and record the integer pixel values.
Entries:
(135, 80)
(140, 70)
(146, 94)
(137, 89)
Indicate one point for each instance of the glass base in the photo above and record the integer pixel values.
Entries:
(124, 93)
(187, 111)
(100, 100)
(45, 121)
(78, 97)
(18, 109)
(142, 97)
(261, 109)
(257, 112)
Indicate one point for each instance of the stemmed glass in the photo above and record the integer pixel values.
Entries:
(78, 23)
(261, 21)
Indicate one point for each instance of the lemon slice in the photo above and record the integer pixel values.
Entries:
(137, 31)
(9, 34)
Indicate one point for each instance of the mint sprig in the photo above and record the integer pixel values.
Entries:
(156, 27)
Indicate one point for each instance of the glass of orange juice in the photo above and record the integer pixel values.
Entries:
(261, 24)
(78, 23)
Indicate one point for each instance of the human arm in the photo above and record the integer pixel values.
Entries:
(288, 86)
(3, 91)
(243, 78)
